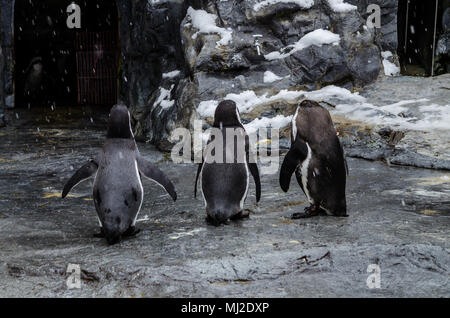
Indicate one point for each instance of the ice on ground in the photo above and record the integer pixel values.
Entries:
(164, 97)
(341, 6)
(171, 74)
(205, 23)
(390, 69)
(304, 4)
(177, 235)
(317, 37)
(270, 77)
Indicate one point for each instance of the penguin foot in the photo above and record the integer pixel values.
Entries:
(131, 231)
(101, 234)
(309, 212)
(241, 215)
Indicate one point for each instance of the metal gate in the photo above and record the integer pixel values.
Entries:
(97, 55)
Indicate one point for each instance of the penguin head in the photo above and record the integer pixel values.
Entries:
(219, 215)
(337, 205)
(341, 209)
(227, 115)
(114, 225)
(119, 124)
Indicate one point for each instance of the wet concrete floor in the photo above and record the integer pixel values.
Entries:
(399, 219)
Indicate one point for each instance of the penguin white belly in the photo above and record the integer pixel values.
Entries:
(304, 171)
(241, 203)
(141, 199)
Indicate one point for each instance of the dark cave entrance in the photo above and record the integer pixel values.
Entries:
(58, 66)
(420, 24)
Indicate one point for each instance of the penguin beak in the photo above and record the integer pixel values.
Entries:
(113, 238)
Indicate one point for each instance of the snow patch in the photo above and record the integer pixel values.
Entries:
(270, 77)
(171, 74)
(164, 98)
(277, 122)
(340, 6)
(429, 117)
(317, 37)
(414, 114)
(205, 23)
(246, 101)
(390, 69)
(304, 4)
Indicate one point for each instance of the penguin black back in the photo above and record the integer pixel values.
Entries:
(225, 184)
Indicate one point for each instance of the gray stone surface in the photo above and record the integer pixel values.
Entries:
(386, 36)
(398, 219)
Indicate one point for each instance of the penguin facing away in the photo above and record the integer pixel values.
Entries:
(224, 184)
(317, 158)
(118, 169)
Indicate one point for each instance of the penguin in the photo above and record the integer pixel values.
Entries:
(225, 184)
(34, 81)
(118, 170)
(317, 158)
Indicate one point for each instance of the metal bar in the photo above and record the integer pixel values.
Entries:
(434, 38)
(406, 28)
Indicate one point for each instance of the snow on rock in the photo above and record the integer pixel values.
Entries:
(304, 4)
(206, 23)
(276, 122)
(334, 92)
(317, 37)
(432, 117)
(351, 105)
(164, 98)
(246, 101)
(390, 69)
(172, 74)
(270, 77)
(340, 6)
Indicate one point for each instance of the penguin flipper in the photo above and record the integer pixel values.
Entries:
(85, 172)
(150, 171)
(295, 155)
(253, 167)
(200, 165)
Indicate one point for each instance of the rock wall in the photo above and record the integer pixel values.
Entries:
(153, 80)
(168, 67)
